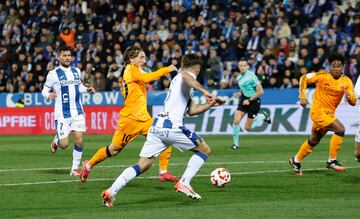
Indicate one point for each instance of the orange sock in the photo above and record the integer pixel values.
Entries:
(99, 156)
(335, 145)
(304, 151)
(164, 159)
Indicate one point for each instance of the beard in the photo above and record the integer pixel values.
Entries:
(64, 64)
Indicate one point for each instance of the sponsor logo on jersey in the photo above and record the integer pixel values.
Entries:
(64, 83)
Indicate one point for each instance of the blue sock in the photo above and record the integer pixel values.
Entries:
(77, 148)
(137, 169)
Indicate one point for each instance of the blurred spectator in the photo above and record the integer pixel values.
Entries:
(99, 82)
(312, 11)
(282, 29)
(296, 22)
(214, 64)
(354, 69)
(3, 81)
(268, 40)
(67, 35)
(254, 41)
(337, 20)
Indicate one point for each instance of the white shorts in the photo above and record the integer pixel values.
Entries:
(357, 135)
(65, 126)
(158, 139)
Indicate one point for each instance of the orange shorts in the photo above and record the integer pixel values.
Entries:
(321, 118)
(128, 129)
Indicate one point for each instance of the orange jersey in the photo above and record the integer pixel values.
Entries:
(134, 92)
(329, 91)
(69, 39)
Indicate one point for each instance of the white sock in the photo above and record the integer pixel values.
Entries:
(162, 171)
(330, 160)
(126, 176)
(194, 164)
(87, 166)
(77, 154)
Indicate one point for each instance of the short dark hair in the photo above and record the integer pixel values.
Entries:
(243, 60)
(337, 56)
(64, 48)
(130, 53)
(190, 60)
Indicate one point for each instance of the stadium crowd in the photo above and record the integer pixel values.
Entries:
(282, 39)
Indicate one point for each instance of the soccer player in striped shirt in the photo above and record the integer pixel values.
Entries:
(63, 84)
(134, 117)
(168, 129)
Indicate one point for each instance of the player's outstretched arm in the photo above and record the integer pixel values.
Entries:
(91, 90)
(84, 89)
(195, 109)
(152, 76)
(192, 82)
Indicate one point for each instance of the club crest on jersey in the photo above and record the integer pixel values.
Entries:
(76, 75)
(65, 98)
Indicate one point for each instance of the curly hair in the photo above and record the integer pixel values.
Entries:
(338, 57)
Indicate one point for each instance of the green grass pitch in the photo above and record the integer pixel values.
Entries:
(36, 184)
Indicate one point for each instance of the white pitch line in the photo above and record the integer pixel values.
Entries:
(171, 164)
(154, 177)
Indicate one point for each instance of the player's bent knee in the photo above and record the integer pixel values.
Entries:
(203, 148)
(341, 134)
(313, 142)
(79, 142)
(114, 150)
(208, 151)
(247, 128)
(63, 143)
(340, 128)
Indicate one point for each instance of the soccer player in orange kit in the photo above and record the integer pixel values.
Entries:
(134, 117)
(330, 89)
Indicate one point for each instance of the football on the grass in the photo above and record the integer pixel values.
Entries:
(220, 177)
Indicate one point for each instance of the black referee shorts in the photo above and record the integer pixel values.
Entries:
(252, 110)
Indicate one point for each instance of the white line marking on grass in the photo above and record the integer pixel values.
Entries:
(171, 164)
(154, 177)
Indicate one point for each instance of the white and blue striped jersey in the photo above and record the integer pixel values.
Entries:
(66, 82)
(178, 99)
